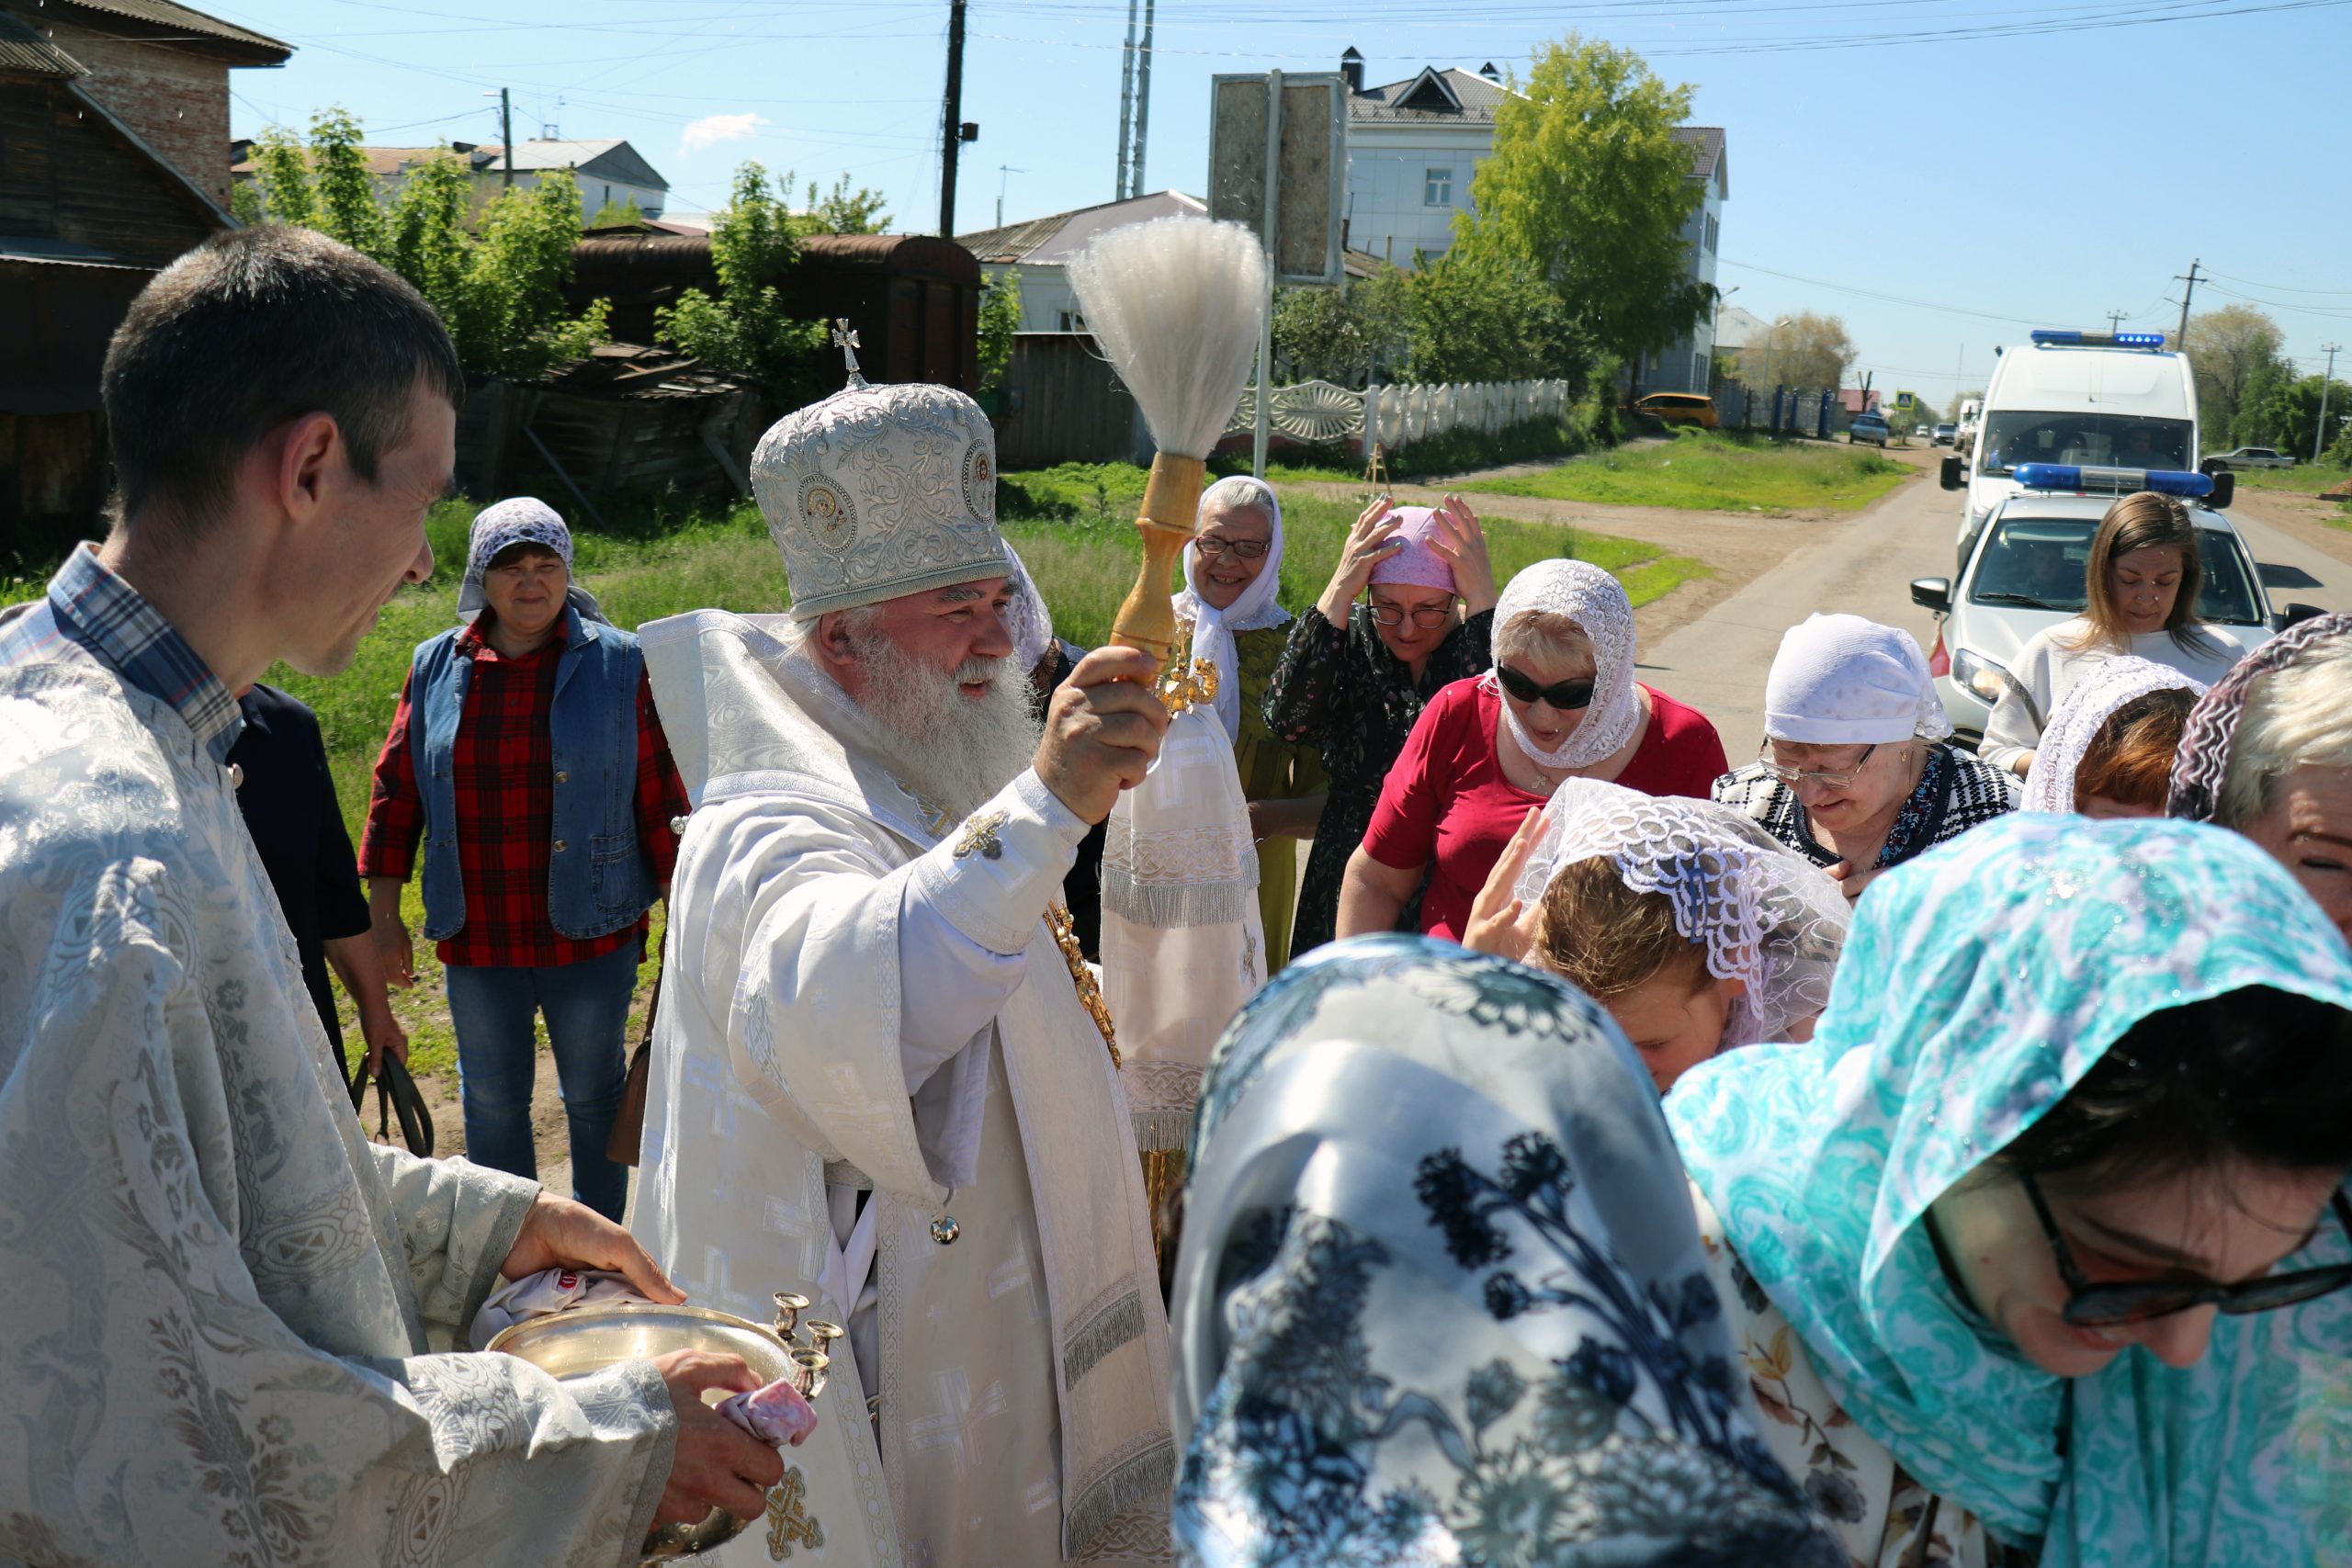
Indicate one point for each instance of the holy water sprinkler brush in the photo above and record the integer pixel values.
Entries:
(1177, 304)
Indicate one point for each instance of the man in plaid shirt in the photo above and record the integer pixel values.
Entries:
(528, 758)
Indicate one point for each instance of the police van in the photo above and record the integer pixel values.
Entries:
(2084, 399)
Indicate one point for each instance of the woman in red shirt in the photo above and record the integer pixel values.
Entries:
(1561, 703)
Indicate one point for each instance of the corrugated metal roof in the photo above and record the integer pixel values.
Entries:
(1706, 149)
(181, 18)
(41, 250)
(1052, 240)
(26, 51)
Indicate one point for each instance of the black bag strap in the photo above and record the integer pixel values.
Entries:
(396, 1095)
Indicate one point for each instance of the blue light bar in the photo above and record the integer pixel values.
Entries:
(2084, 480)
(2068, 337)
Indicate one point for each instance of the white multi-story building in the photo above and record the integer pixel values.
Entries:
(1684, 367)
(1412, 146)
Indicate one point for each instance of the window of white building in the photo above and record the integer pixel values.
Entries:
(1437, 187)
(1715, 233)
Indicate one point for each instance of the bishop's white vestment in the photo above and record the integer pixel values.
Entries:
(874, 1083)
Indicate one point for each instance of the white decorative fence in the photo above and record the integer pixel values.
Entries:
(1398, 416)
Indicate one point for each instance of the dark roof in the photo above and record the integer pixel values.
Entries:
(607, 158)
(1706, 151)
(1050, 241)
(1434, 97)
(163, 20)
(26, 51)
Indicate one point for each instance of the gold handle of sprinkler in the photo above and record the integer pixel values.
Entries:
(1147, 620)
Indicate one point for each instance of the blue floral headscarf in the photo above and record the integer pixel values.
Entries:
(520, 520)
(1440, 1298)
(1980, 983)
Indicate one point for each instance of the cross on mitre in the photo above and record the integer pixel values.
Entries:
(845, 339)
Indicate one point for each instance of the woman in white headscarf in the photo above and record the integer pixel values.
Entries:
(1693, 927)
(1559, 703)
(2109, 750)
(1232, 584)
(1855, 774)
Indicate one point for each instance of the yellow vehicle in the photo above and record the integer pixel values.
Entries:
(1681, 407)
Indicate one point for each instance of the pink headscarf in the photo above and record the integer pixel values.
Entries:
(1416, 563)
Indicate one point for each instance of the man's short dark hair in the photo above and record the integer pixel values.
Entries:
(246, 332)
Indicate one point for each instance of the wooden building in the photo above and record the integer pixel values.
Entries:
(914, 299)
(101, 185)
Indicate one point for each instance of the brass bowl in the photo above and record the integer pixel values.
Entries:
(588, 1339)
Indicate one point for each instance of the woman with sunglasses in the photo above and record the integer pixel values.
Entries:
(1561, 703)
(1854, 773)
(2081, 1101)
(1231, 600)
(1353, 677)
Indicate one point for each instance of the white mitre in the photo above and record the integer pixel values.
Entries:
(881, 491)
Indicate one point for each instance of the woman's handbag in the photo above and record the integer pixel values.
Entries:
(629, 1122)
(396, 1094)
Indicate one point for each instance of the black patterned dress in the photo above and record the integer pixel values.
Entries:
(1343, 691)
(1957, 790)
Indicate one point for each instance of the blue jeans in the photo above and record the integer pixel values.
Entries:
(586, 1005)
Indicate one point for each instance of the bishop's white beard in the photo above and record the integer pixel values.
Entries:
(950, 750)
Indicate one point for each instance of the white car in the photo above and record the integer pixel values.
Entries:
(2026, 571)
(2247, 457)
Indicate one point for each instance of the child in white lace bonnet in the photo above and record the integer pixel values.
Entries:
(1695, 929)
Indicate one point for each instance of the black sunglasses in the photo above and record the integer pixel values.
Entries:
(2102, 1306)
(1567, 696)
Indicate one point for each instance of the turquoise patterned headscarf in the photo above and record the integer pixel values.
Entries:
(1980, 983)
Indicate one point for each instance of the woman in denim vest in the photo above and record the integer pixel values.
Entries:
(528, 758)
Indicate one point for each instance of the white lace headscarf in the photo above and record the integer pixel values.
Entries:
(2104, 688)
(1843, 681)
(1256, 610)
(1765, 916)
(1026, 618)
(1579, 592)
(523, 519)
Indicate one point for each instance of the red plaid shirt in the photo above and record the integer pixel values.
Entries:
(504, 779)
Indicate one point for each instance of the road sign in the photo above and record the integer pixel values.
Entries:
(1905, 402)
(1310, 167)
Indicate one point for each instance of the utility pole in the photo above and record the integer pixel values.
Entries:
(1143, 104)
(2319, 437)
(2114, 323)
(951, 137)
(1126, 103)
(2186, 295)
(506, 134)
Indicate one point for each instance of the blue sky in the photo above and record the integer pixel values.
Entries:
(1940, 190)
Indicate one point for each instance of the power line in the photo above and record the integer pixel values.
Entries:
(1883, 298)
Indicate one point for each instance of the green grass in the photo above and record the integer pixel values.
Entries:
(2303, 479)
(653, 562)
(1716, 471)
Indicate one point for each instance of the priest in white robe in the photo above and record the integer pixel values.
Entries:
(227, 1321)
(876, 1080)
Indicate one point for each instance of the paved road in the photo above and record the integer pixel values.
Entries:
(1864, 565)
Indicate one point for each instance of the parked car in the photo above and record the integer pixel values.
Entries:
(2247, 457)
(1945, 434)
(1869, 427)
(1681, 407)
(2027, 570)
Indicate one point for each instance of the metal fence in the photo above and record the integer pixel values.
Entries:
(1321, 412)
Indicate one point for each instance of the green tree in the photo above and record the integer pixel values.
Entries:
(1482, 316)
(1338, 334)
(1000, 318)
(1810, 351)
(745, 328)
(840, 210)
(2228, 350)
(1590, 184)
(614, 214)
(348, 208)
(282, 171)
(428, 241)
(514, 310)
(2282, 410)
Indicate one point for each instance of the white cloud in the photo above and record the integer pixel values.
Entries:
(714, 129)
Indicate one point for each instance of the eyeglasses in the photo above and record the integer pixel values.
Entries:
(1210, 544)
(2090, 1306)
(1836, 778)
(1567, 696)
(1425, 616)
